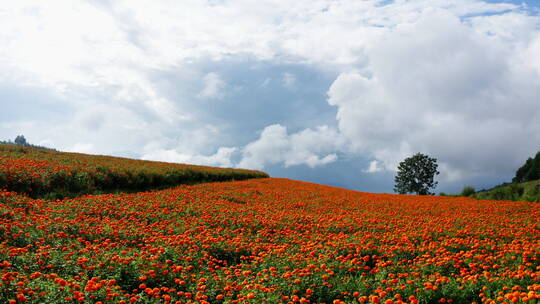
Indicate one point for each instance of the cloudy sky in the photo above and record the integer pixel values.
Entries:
(330, 91)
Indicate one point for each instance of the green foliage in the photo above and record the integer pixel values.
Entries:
(233, 199)
(525, 185)
(532, 193)
(467, 191)
(529, 171)
(228, 256)
(20, 140)
(416, 174)
(528, 192)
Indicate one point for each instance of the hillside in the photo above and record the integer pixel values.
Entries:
(527, 192)
(52, 174)
(267, 241)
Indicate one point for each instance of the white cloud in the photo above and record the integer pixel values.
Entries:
(374, 167)
(308, 147)
(222, 158)
(69, 47)
(114, 44)
(192, 147)
(82, 147)
(457, 79)
(214, 86)
(530, 55)
(442, 87)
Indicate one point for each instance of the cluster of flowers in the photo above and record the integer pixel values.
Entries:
(267, 241)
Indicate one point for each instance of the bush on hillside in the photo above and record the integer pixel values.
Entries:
(468, 191)
(532, 194)
(512, 192)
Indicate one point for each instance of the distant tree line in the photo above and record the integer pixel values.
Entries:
(529, 171)
(20, 140)
(525, 186)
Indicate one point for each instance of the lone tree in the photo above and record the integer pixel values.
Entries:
(20, 140)
(415, 175)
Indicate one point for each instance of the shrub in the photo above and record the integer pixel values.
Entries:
(516, 190)
(468, 191)
(532, 194)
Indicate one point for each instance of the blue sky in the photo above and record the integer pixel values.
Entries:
(333, 92)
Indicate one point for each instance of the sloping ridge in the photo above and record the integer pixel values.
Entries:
(51, 174)
(526, 192)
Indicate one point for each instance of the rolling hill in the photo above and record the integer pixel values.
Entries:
(263, 240)
(53, 174)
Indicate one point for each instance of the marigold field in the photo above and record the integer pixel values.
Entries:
(53, 174)
(267, 241)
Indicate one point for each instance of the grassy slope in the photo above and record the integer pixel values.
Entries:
(528, 191)
(52, 174)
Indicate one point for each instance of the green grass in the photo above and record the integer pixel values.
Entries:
(525, 192)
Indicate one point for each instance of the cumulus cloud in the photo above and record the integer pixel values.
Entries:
(222, 158)
(308, 147)
(442, 87)
(75, 48)
(456, 79)
(374, 166)
(82, 147)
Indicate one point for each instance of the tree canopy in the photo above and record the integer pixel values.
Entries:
(20, 140)
(416, 175)
(529, 171)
